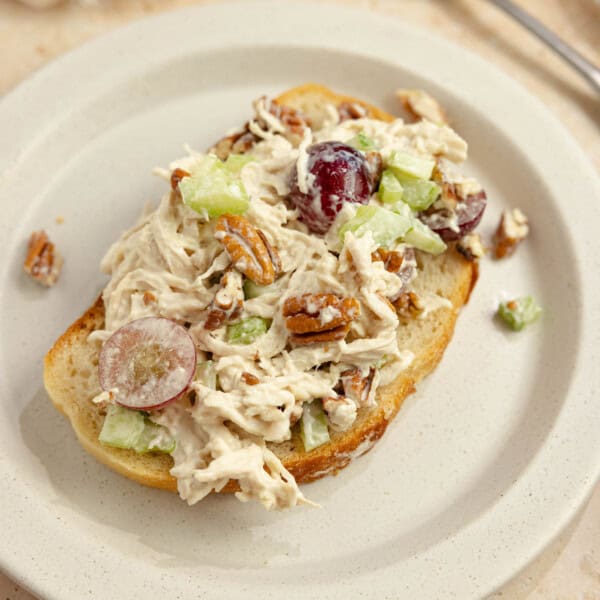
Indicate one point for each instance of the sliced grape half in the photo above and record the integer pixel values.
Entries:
(335, 173)
(147, 363)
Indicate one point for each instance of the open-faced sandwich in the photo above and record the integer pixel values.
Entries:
(262, 326)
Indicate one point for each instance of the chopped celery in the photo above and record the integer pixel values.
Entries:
(362, 142)
(404, 164)
(130, 429)
(385, 226)
(206, 374)
(254, 290)
(423, 238)
(235, 162)
(247, 330)
(390, 189)
(313, 426)
(519, 312)
(419, 194)
(154, 438)
(214, 189)
(122, 427)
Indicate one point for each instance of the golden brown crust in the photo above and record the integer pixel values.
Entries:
(73, 350)
(296, 96)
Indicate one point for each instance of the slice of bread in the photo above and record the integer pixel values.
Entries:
(71, 378)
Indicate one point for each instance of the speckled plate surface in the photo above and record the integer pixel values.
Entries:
(484, 464)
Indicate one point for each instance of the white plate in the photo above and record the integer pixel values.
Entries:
(484, 464)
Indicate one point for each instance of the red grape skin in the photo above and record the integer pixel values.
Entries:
(469, 212)
(337, 173)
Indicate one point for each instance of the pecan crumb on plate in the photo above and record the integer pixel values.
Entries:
(512, 230)
(43, 262)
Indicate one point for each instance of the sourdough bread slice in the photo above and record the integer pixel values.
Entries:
(71, 374)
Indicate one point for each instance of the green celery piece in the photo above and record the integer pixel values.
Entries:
(520, 312)
(206, 374)
(385, 226)
(423, 238)
(153, 439)
(130, 429)
(122, 427)
(214, 189)
(390, 189)
(313, 426)
(408, 165)
(419, 194)
(363, 142)
(247, 330)
(254, 290)
(235, 162)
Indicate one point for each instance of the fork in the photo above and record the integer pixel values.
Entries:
(590, 71)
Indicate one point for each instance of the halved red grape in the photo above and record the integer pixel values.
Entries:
(468, 214)
(336, 173)
(147, 363)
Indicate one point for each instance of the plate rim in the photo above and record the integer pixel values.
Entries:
(57, 73)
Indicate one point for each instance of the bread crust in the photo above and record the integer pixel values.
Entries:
(73, 354)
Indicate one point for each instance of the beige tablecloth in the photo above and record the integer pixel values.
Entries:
(570, 568)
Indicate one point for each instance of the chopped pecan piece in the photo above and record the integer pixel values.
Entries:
(148, 298)
(236, 143)
(249, 250)
(294, 123)
(176, 176)
(392, 260)
(250, 379)
(449, 197)
(352, 110)
(227, 303)
(375, 164)
(470, 246)
(43, 262)
(313, 318)
(420, 105)
(408, 305)
(341, 412)
(358, 387)
(512, 229)
(402, 264)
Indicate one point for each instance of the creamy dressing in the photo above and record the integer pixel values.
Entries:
(170, 263)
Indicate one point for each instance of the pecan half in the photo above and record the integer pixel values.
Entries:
(420, 105)
(357, 386)
(313, 318)
(227, 303)
(408, 305)
(43, 262)
(512, 230)
(249, 250)
(351, 110)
